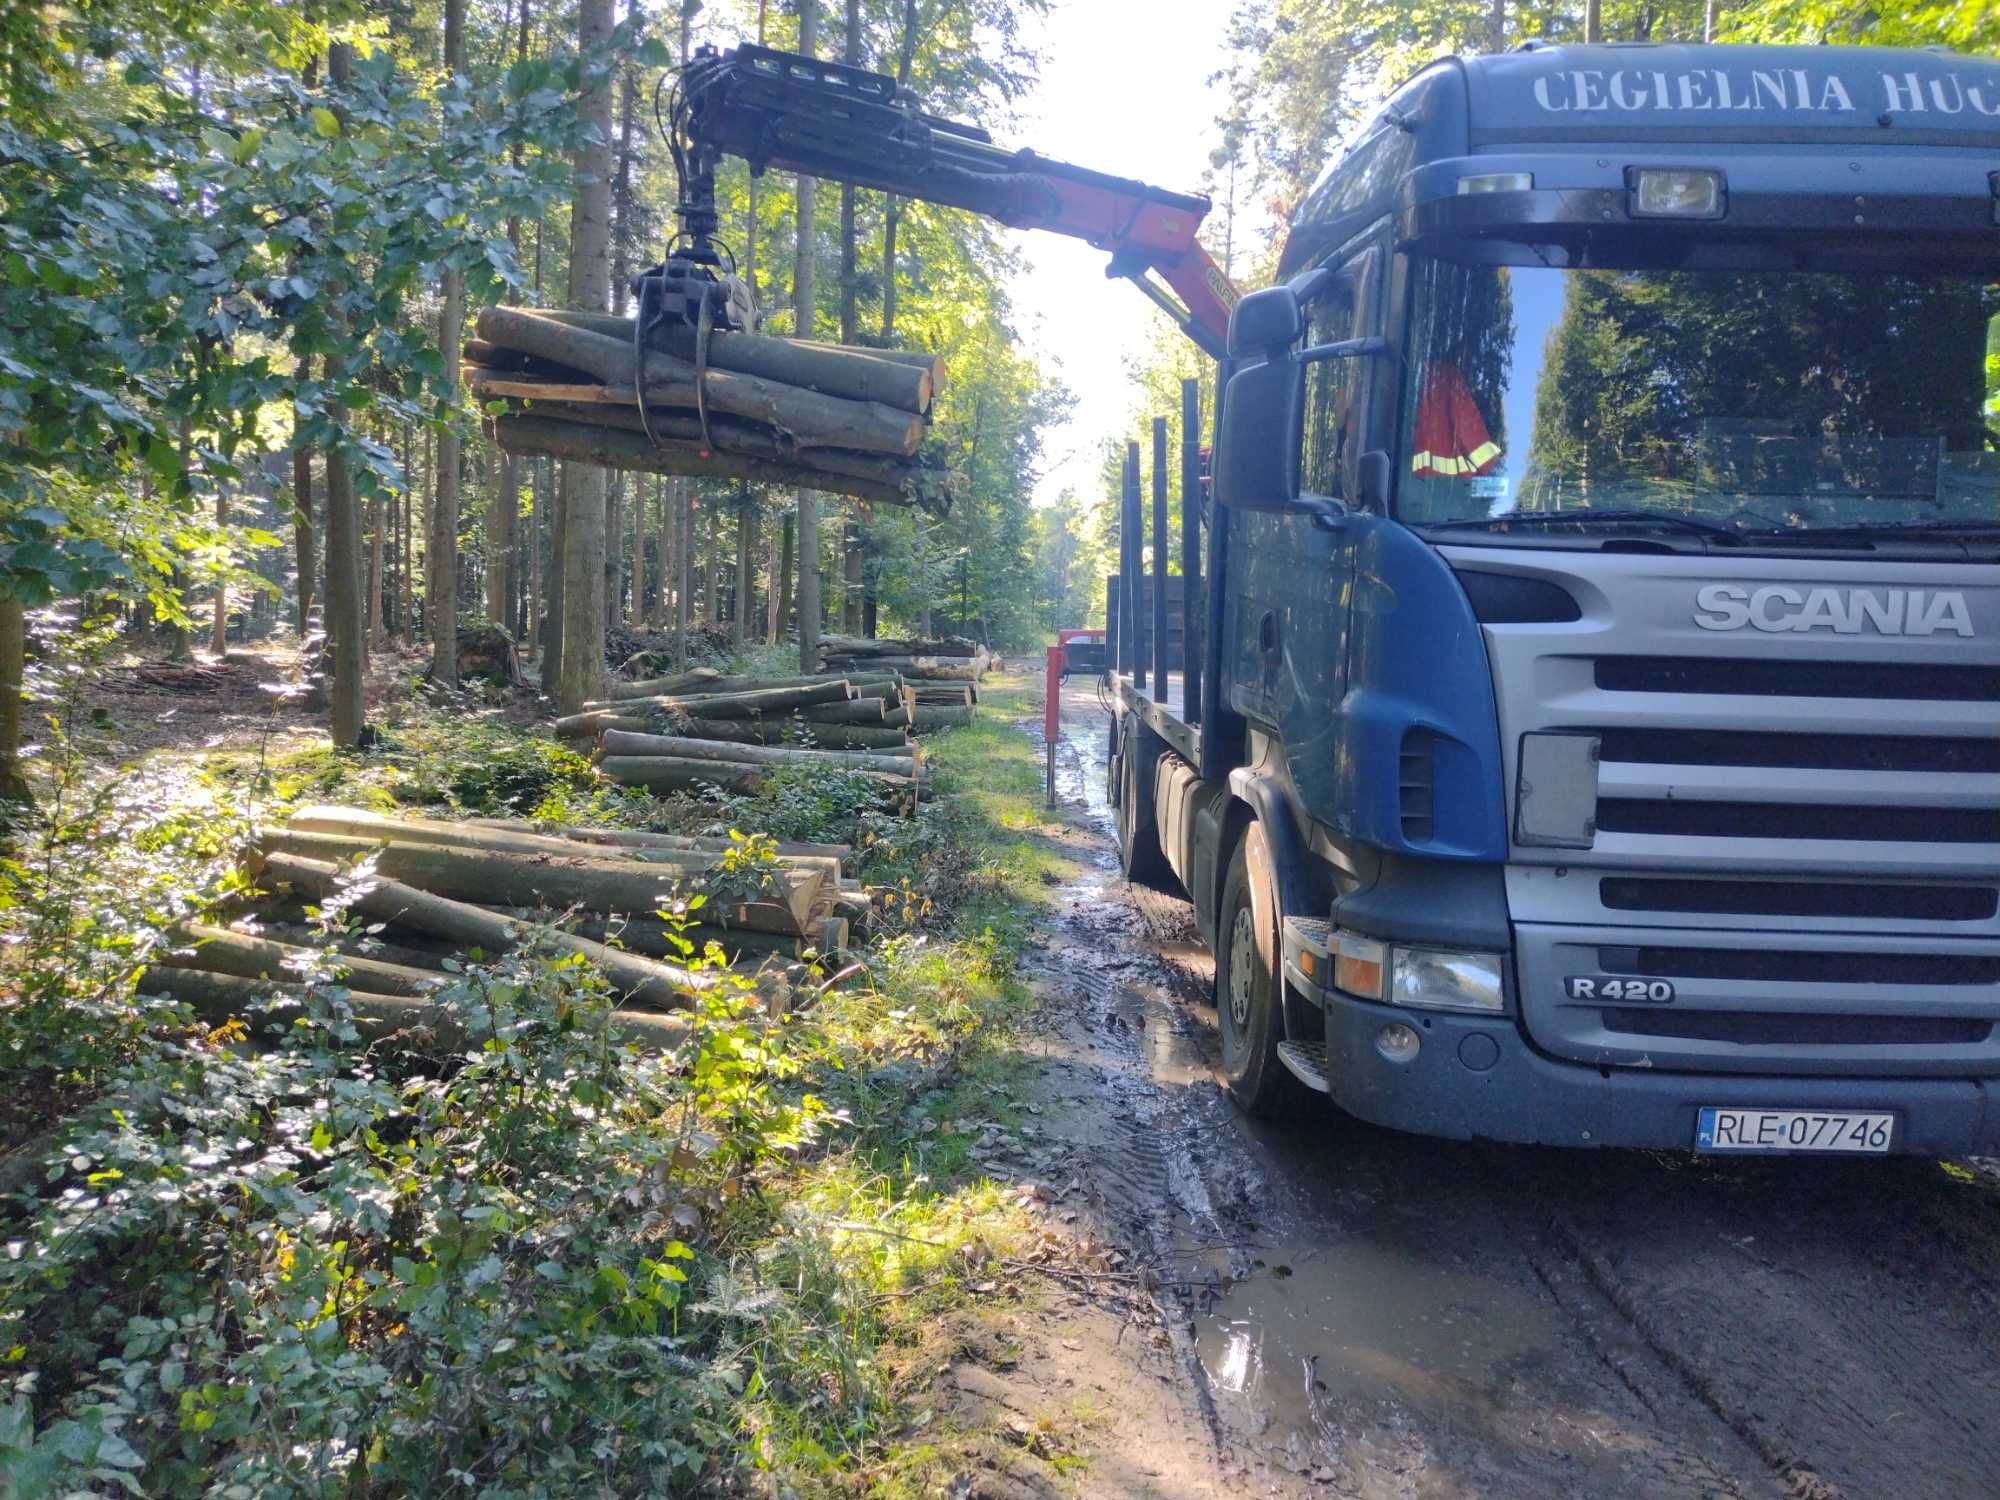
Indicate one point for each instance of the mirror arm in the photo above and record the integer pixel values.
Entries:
(1325, 513)
(1346, 349)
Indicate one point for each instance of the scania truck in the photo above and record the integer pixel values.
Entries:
(1589, 727)
(1598, 738)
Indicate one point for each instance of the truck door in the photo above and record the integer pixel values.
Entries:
(1291, 581)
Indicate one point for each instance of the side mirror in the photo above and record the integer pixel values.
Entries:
(1257, 443)
(1265, 322)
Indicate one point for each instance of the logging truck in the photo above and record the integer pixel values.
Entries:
(1582, 725)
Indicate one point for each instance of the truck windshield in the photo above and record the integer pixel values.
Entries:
(1755, 401)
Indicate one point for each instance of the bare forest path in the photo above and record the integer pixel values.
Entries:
(1342, 1311)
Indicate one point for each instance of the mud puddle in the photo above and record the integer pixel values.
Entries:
(1373, 1315)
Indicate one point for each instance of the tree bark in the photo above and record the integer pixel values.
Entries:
(745, 704)
(678, 685)
(739, 614)
(580, 444)
(773, 591)
(928, 717)
(683, 567)
(1593, 21)
(635, 608)
(444, 519)
(810, 417)
(787, 549)
(624, 742)
(393, 901)
(580, 666)
(802, 323)
(217, 950)
(13, 672)
(667, 773)
(502, 519)
(600, 881)
(305, 552)
(389, 1021)
(892, 211)
(903, 378)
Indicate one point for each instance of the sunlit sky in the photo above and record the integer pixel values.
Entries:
(1123, 89)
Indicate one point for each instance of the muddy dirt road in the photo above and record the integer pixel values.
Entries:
(1373, 1315)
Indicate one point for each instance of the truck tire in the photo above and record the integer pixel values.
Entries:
(1248, 1002)
(1139, 853)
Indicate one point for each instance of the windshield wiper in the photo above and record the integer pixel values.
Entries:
(1864, 529)
(1668, 520)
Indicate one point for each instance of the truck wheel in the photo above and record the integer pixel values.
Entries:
(1247, 980)
(1139, 853)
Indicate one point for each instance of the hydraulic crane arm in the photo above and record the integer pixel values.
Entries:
(797, 114)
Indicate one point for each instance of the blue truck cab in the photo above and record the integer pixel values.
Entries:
(1594, 727)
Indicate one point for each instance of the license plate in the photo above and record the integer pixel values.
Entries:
(1849, 1132)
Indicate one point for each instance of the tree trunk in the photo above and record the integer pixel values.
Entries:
(802, 324)
(683, 568)
(711, 564)
(502, 517)
(217, 950)
(698, 680)
(773, 591)
(372, 604)
(785, 600)
(892, 212)
(580, 667)
(928, 717)
(745, 704)
(614, 546)
(1593, 21)
(739, 615)
(667, 773)
(13, 672)
(451, 336)
(1496, 27)
(305, 551)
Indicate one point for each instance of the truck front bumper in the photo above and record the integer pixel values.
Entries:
(1477, 1078)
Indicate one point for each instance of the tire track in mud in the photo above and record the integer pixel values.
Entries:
(1380, 1315)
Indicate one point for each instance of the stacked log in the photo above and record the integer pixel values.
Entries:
(440, 891)
(742, 406)
(949, 660)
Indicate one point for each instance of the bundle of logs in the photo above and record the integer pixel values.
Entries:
(441, 892)
(742, 406)
(941, 672)
(700, 731)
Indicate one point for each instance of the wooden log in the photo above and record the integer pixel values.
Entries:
(885, 740)
(921, 668)
(808, 415)
(944, 693)
(397, 1021)
(221, 951)
(613, 449)
(699, 680)
(410, 950)
(633, 838)
(614, 326)
(746, 704)
(617, 742)
(617, 407)
(607, 881)
(861, 647)
(671, 773)
(859, 711)
(653, 937)
(589, 725)
(664, 986)
(309, 824)
(929, 718)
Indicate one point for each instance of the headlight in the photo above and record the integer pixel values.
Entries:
(1446, 979)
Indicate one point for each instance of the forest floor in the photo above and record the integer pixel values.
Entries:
(1039, 1255)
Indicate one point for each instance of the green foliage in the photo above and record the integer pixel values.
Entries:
(747, 871)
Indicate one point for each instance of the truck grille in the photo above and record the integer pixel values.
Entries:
(1799, 831)
(1781, 898)
(1798, 679)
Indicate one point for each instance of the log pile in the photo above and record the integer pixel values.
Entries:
(744, 406)
(927, 663)
(699, 732)
(442, 891)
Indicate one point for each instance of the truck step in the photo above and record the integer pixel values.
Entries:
(1307, 1062)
